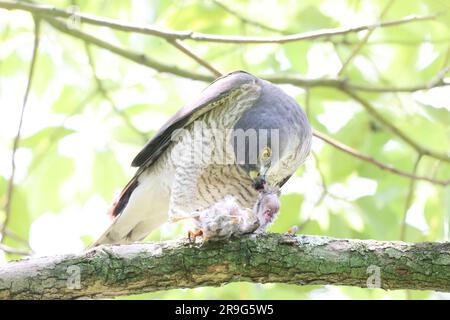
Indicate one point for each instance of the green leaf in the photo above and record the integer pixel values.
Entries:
(107, 174)
(43, 186)
(68, 100)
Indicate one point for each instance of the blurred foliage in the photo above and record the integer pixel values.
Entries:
(77, 145)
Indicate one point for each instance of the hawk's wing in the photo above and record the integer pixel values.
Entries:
(220, 89)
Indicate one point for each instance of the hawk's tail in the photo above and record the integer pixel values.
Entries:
(122, 200)
(104, 238)
(114, 212)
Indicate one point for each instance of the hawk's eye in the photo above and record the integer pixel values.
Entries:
(254, 174)
(265, 154)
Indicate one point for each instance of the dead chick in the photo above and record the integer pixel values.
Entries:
(227, 219)
(224, 220)
(267, 207)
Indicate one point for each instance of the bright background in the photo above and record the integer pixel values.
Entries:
(77, 141)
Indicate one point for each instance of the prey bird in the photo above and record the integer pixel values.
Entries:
(240, 136)
(227, 219)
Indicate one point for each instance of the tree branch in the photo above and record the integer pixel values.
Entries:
(11, 250)
(12, 235)
(180, 46)
(101, 88)
(394, 129)
(136, 268)
(247, 20)
(355, 153)
(439, 78)
(10, 190)
(137, 57)
(344, 84)
(363, 41)
(145, 60)
(409, 198)
(306, 83)
(301, 82)
(50, 11)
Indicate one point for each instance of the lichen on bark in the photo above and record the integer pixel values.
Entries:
(273, 258)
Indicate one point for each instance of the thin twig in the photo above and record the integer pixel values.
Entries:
(364, 40)
(381, 42)
(247, 20)
(446, 57)
(50, 11)
(325, 192)
(180, 46)
(369, 159)
(323, 181)
(10, 191)
(395, 89)
(101, 88)
(14, 236)
(439, 78)
(342, 83)
(5, 33)
(385, 122)
(409, 198)
(11, 250)
(139, 58)
(144, 60)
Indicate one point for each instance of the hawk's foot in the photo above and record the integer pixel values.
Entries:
(292, 231)
(192, 235)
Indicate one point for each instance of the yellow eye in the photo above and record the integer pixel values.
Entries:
(266, 153)
(254, 174)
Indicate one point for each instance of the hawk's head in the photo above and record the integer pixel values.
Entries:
(272, 139)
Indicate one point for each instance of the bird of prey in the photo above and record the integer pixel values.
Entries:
(241, 134)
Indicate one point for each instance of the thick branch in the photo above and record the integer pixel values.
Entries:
(123, 270)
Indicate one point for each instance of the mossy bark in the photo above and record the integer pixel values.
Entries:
(144, 267)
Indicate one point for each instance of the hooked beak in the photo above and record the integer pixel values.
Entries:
(261, 179)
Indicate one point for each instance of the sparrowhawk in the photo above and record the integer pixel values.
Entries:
(240, 134)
